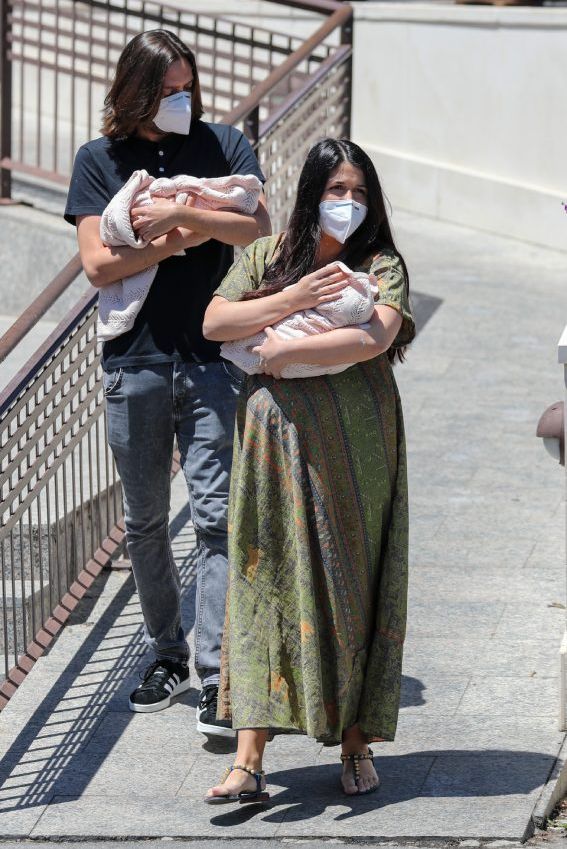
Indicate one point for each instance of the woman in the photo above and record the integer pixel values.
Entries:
(318, 508)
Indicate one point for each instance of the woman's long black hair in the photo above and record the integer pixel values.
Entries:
(298, 251)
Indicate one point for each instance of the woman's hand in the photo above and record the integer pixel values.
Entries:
(273, 353)
(318, 287)
(156, 219)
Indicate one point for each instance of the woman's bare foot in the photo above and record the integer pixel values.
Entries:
(236, 782)
(368, 778)
(251, 745)
(354, 742)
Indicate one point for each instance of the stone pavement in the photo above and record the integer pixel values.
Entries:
(477, 739)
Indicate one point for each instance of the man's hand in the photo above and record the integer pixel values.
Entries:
(156, 219)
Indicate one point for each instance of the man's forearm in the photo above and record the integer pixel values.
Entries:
(231, 228)
(105, 265)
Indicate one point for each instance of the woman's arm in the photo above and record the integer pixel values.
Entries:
(104, 265)
(229, 320)
(343, 345)
(232, 228)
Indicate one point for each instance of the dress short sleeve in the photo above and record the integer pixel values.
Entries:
(247, 272)
(393, 292)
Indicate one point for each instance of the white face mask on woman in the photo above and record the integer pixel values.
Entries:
(174, 114)
(340, 218)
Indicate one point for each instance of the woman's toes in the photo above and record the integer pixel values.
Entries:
(349, 787)
(219, 790)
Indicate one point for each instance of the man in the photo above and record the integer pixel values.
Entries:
(162, 379)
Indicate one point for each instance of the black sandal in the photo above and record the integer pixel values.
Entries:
(356, 757)
(257, 795)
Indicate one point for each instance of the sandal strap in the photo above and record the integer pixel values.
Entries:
(257, 776)
(356, 757)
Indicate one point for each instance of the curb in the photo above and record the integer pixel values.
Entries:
(554, 790)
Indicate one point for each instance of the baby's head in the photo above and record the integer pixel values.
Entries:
(355, 301)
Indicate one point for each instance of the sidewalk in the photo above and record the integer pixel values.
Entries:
(477, 736)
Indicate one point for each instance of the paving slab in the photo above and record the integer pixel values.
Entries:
(477, 736)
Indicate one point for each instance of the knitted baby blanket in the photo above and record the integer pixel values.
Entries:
(120, 303)
(353, 305)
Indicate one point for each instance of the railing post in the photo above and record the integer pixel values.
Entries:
(252, 126)
(347, 37)
(562, 358)
(5, 99)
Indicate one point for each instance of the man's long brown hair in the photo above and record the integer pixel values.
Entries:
(135, 94)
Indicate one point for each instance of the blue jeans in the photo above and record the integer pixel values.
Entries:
(147, 406)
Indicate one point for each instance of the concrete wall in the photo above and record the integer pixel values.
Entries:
(463, 111)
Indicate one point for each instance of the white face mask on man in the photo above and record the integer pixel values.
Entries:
(174, 113)
(340, 218)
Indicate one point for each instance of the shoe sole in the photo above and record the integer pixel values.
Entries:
(255, 798)
(215, 730)
(165, 703)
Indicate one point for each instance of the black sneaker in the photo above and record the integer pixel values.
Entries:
(160, 681)
(207, 722)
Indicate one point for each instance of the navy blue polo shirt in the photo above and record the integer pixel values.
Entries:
(169, 325)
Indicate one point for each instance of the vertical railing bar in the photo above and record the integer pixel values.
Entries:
(90, 75)
(82, 504)
(99, 489)
(57, 537)
(107, 45)
(55, 158)
(22, 82)
(213, 70)
(91, 492)
(4, 610)
(113, 472)
(49, 546)
(74, 540)
(14, 603)
(32, 570)
(39, 86)
(106, 473)
(73, 65)
(6, 95)
(40, 558)
(233, 61)
(68, 578)
(23, 584)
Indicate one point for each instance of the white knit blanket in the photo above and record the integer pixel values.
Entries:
(353, 305)
(120, 303)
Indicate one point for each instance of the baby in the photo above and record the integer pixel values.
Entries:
(120, 303)
(353, 305)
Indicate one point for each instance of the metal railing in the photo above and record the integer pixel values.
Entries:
(60, 494)
(58, 57)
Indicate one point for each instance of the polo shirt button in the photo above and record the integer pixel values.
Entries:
(160, 152)
(161, 169)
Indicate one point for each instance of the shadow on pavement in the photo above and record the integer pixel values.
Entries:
(48, 754)
(423, 307)
(308, 792)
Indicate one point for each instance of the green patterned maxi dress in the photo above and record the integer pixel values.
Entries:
(318, 539)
